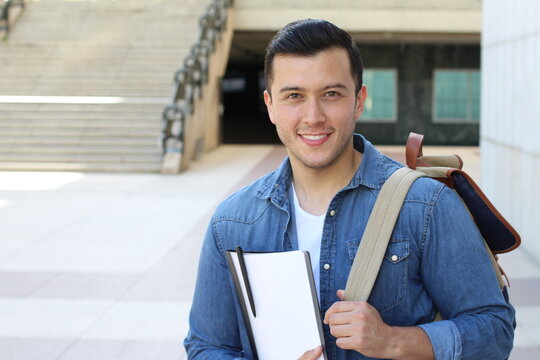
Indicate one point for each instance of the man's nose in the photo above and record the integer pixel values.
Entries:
(314, 112)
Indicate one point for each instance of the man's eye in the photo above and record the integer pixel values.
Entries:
(293, 96)
(332, 93)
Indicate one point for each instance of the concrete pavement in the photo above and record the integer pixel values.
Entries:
(102, 266)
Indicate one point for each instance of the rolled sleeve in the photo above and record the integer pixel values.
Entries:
(445, 339)
(459, 278)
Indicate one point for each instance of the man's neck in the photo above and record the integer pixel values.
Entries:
(316, 188)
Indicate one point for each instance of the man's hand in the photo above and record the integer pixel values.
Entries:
(358, 326)
(312, 354)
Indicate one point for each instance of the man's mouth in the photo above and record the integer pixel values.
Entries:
(314, 137)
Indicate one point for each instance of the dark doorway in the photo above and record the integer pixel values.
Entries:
(245, 118)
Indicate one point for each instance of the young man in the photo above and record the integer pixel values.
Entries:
(319, 200)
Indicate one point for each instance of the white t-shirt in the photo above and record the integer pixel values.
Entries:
(309, 229)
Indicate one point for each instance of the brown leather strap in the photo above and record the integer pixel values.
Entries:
(414, 149)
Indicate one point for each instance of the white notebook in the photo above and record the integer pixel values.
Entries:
(287, 321)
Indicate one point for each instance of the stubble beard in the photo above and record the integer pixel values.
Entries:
(331, 159)
(319, 164)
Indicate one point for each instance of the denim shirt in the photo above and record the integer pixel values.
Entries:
(441, 265)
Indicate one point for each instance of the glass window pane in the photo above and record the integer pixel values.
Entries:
(381, 101)
(475, 85)
(457, 95)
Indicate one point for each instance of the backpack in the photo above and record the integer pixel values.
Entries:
(499, 236)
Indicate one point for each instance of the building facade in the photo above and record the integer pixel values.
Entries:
(422, 66)
(510, 150)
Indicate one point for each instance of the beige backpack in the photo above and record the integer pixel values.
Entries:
(499, 235)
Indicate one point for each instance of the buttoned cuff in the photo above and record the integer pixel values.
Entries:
(445, 339)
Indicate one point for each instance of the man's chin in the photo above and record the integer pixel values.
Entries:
(315, 164)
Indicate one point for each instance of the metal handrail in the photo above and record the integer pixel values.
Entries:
(4, 13)
(192, 75)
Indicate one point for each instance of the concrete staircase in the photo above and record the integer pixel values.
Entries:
(83, 83)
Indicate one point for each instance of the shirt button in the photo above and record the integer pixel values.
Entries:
(326, 266)
(332, 212)
(394, 258)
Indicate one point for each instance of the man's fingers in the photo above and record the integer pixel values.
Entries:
(337, 307)
(339, 331)
(344, 307)
(342, 318)
(345, 343)
(312, 354)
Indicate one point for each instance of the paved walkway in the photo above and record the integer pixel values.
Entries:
(98, 266)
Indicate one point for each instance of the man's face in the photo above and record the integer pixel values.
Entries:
(314, 106)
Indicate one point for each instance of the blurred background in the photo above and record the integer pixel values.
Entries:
(124, 123)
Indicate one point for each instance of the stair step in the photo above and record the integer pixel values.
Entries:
(85, 76)
(55, 130)
(127, 92)
(80, 88)
(22, 44)
(85, 73)
(81, 125)
(34, 156)
(78, 141)
(18, 44)
(22, 116)
(95, 59)
(139, 108)
(151, 167)
(49, 134)
(82, 154)
(95, 80)
(61, 65)
(151, 56)
(86, 117)
(91, 69)
(48, 150)
(104, 90)
(95, 77)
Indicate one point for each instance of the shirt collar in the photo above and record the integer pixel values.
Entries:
(370, 174)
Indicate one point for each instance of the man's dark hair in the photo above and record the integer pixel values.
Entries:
(309, 37)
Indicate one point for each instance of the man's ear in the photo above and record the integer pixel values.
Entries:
(360, 100)
(269, 107)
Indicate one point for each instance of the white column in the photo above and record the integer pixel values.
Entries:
(510, 114)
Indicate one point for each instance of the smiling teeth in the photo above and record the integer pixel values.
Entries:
(314, 137)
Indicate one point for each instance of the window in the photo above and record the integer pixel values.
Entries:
(456, 96)
(381, 103)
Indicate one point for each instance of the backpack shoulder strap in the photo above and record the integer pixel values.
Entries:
(380, 225)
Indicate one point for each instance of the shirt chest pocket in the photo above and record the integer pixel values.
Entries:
(390, 288)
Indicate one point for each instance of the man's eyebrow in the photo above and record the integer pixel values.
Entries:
(336, 85)
(298, 88)
(290, 88)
